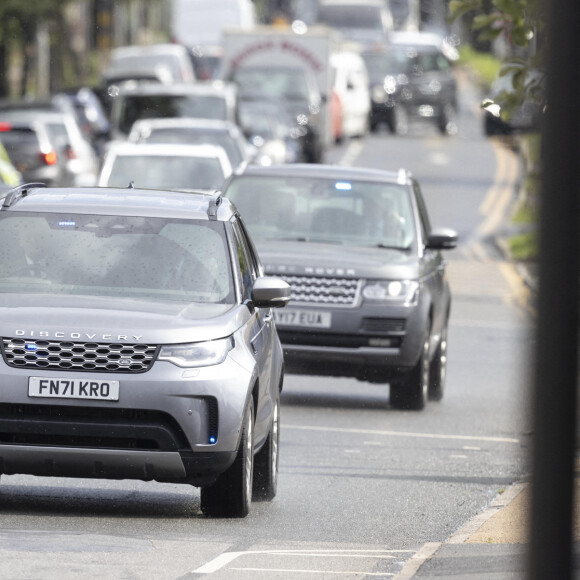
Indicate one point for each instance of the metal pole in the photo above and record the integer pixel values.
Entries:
(43, 60)
(556, 360)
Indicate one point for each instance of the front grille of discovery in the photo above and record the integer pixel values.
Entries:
(78, 356)
(329, 291)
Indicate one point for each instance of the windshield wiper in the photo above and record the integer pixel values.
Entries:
(390, 247)
(290, 239)
(305, 239)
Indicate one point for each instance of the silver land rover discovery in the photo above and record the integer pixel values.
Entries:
(137, 342)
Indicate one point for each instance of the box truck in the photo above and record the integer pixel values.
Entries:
(277, 63)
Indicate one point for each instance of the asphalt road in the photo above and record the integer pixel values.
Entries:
(362, 487)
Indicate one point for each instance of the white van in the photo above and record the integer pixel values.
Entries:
(351, 87)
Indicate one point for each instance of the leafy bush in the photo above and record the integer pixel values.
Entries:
(484, 65)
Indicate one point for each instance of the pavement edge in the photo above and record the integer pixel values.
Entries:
(428, 550)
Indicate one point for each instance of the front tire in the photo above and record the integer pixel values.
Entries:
(231, 495)
(399, 120)
(266, 462)
(411, 391)
(438, 369)
(448, 120)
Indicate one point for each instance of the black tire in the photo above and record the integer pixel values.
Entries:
(438, 369)
(447, 122)
(266, 462)
(398, 122)
(231, 495)
(411, 391)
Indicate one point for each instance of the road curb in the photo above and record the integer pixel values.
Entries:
(461, 536)
(501, 501)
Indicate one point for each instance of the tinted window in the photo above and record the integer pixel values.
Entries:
(164, 172)
(246, 270)
(170, 106)
(285, 83)
(350, 17)
(127, 257)
(196, 137)
(324, 210)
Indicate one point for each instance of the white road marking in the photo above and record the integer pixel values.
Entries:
(224, 559)
(495, 324)
(458, 457)
(438, 158)
(330, 572)
(217, 563)
(352, 152)
(469, 448)
(405, 434)
(417, 560)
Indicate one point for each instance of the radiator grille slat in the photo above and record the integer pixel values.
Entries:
(331, 291)
(78, 356)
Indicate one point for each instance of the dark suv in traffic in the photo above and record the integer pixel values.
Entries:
(138, 343)
(410, 82)
(370, 297)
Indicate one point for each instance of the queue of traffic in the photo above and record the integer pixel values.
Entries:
(181, 216)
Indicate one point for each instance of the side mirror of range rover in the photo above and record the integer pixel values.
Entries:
(442, 239)
(270, 292)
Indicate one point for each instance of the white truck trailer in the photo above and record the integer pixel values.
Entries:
(294, 68)
(200, 22)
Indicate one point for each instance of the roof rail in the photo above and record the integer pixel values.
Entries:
(19, 192)
(403, 175)
(214, 202)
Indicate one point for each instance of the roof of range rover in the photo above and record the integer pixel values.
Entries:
(328, 171)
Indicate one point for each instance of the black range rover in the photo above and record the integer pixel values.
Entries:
(370, 297)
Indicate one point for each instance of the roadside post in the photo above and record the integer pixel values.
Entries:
(556, 359)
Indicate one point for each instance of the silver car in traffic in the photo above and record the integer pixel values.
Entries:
(138, 342)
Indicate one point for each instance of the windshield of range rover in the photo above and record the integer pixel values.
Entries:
(327, 211)
(133, 257)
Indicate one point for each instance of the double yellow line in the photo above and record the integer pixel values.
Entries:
(497, 200)
(494, 209)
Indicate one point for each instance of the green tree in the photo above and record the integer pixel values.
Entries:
(19, 23)
(521, 24)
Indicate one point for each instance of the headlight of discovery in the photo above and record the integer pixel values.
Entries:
(197, 354)
(401, 291)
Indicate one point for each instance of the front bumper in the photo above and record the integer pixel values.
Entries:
(374, 340)
(161, 428)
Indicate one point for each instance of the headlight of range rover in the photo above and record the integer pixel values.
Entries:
(197, 354)
(401, 291)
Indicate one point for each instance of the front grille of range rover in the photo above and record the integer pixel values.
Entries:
(78, 356)
(328, 291)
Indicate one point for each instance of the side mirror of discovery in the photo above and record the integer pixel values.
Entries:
(270, 292)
